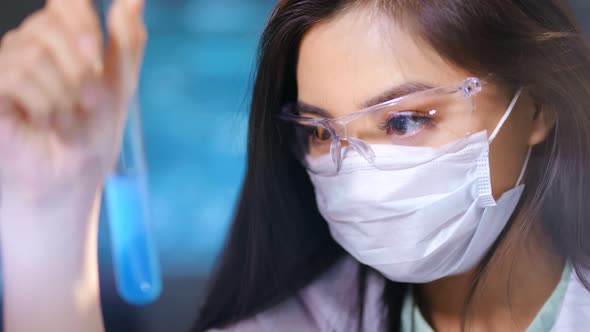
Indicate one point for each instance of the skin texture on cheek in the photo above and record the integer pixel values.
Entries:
(359, 54)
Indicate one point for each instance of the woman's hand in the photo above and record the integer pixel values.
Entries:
(62, 106)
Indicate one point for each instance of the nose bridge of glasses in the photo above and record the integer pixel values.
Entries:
(360, 128)
(359, 146)
(343, 139)
(362, 148)
(337, 128)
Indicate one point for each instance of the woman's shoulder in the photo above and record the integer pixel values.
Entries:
(327, 304)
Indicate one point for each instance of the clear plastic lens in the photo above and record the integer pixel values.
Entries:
(432, 118)
(431, 121)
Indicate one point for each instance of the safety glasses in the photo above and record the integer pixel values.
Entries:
(428, 118)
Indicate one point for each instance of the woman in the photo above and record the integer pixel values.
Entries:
(412, 165)
(386, 110)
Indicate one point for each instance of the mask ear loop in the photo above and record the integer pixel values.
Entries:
(506, 115)
(524, 167)
(501, 124)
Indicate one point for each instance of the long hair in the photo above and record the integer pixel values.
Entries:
(279, 243)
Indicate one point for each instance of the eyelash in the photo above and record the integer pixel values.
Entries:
(319, 131)
(423, 119)
(307, 134)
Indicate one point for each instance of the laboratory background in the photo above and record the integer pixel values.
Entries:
(194, 97)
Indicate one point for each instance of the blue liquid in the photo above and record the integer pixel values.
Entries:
(137, 274)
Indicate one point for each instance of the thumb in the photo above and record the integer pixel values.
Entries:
(125, 50)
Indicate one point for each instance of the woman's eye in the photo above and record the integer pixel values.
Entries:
(320, 135)
(406, 123)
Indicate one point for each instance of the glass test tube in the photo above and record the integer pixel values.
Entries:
(137, 272)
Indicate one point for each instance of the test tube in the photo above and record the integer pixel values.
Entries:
(136, 267)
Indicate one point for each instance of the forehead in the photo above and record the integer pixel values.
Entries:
(359, 54)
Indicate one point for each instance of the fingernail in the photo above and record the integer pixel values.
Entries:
(89, 96)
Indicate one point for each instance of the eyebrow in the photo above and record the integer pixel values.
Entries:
(397, 91)
(390, 94)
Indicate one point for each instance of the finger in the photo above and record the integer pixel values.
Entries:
(13, 38)
(127, 39)
(75, 55)
(79, 17)
(8, 38)
(137, 39)
(137, 29)
(41, 70)
(140, 36)
(50, 80)
(30, 103)
(42, 49)
(117, 54)
(22, 92)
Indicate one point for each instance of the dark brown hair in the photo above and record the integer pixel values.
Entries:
(279, 243)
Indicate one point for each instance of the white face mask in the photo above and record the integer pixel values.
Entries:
(423, 220)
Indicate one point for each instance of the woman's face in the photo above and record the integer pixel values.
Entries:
(360, 55)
